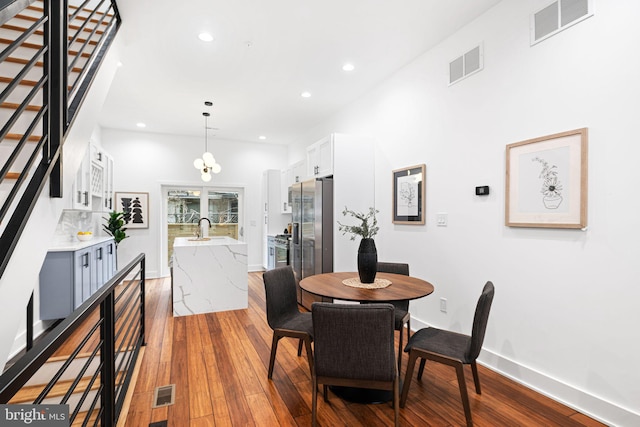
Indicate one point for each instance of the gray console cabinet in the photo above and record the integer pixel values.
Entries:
(69, 278)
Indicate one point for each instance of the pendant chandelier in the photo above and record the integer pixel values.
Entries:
(207, 164)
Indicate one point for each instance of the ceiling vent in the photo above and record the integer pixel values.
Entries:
(558, 16)
(466, 65)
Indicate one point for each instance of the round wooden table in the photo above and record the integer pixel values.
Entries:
(402, 287)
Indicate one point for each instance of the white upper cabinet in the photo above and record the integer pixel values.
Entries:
(320, 158)
(93, 188)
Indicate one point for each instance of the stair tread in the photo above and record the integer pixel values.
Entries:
(30, 393)
(17, 137)
(14, 106)
(38, 46)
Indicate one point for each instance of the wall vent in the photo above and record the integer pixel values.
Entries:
(558, 16)
(466, 65)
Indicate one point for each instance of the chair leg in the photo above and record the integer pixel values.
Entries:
(463, 393)
(325, 392)
(300, 347)
(307, 343)
(400, 350)
(407, 378)
(476, 378)
(274, 348)
(421, 368)
(396, 398)
(314, 401)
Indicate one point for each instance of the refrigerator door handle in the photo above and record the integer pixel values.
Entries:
(295, 233)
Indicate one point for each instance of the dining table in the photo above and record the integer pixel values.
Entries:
(346, 286)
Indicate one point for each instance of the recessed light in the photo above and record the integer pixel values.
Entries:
(348, 67)
(205, 37)
(305, 94)
(262, 137)
(119, 64)
(141, 125)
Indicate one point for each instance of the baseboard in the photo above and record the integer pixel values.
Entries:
(20, 342)
(595, 407)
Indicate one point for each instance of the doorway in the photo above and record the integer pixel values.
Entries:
(184, 206)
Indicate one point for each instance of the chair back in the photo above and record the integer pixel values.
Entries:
(393, 267)
(354, 341)
(396, 268)
(280, 295)
(480, 320)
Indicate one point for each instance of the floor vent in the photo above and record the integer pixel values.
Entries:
(159, 424)
(164, 396)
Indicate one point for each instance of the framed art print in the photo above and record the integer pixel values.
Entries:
(409, 195)
(135, 207)
(546, 181)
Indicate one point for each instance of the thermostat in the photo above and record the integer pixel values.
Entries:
(482, 191)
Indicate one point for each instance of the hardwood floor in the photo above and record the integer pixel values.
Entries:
(219, 363)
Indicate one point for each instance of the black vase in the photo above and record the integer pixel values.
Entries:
(367, 260)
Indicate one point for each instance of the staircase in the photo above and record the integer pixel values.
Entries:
(51, 51)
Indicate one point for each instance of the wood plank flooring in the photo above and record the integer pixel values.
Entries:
(219, 363)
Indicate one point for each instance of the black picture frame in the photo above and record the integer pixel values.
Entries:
(409, 195)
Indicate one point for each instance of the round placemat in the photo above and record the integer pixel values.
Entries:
(355, 282)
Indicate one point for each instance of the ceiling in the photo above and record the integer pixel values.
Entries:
(264, 54)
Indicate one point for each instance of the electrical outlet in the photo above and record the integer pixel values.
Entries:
(441, 219)
(443, 305)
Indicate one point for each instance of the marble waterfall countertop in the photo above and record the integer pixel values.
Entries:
(209, 275)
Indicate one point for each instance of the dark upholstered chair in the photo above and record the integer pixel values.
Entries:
(353, 347)
(283, 315)
(451, 348)
(402, 316)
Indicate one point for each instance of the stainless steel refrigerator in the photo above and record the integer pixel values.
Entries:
(312, 231)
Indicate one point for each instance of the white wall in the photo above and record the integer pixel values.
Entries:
(144, 161)
(567, 307)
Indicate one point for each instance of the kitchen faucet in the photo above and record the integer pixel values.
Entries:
(199, 231)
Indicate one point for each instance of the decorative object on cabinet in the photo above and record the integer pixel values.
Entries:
(135, 209)
(115, 226)
(367, 254)
(207, 164)
(409, 195)
(546, 181)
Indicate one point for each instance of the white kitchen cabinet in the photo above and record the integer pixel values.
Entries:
(82, 185)
(93, 188)
(274, 221)
(107, 204)
(320, 158)
(294, 173)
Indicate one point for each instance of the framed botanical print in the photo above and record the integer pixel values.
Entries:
(409, 195)
(546, 181)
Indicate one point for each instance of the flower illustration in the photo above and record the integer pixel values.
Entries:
(551, 185)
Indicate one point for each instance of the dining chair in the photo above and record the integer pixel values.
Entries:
(283, 315)
(354, 347)
(451, 348)
(402, 316)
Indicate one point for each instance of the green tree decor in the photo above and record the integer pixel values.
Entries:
(114, 226)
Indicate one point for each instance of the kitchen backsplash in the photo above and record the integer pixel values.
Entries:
(72, 221)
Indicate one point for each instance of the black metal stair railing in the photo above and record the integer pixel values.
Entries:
(105, 335)
(52, 51)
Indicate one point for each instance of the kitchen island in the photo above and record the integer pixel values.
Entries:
(208, 275)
